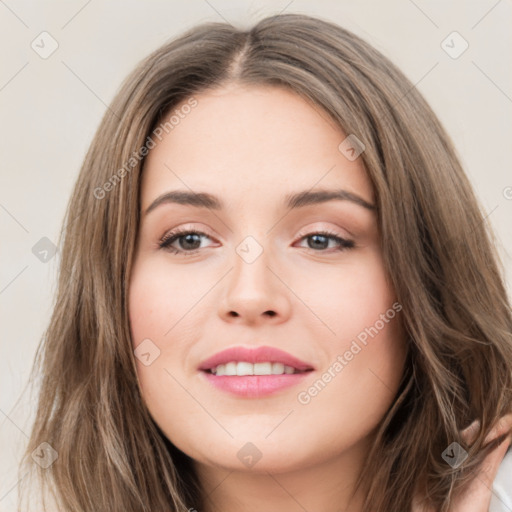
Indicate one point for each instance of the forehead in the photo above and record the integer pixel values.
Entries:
(251, 142)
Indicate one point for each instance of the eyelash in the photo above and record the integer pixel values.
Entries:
(169, 238)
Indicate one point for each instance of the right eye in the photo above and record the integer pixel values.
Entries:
(187, 237)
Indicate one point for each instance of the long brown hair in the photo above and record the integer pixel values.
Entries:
(437, 248)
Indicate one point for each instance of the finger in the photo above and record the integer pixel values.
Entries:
(492, 462)
(502, 426)
(469, 433)
(420, 506)
(476, 496)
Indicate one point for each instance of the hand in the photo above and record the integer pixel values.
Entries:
(476, 496)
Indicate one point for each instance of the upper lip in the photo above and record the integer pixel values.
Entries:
(254, 355)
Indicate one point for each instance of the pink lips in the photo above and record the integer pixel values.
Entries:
(254, 385)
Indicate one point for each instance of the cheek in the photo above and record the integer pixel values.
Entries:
(147, 302)
(143, 309)
(162, 321)
(348, 298)
(159, 296)
(154, 307)
(372, 339)
(366, 351)
(358, 385)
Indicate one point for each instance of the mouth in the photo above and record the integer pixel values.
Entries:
(250, 372)
(245, 368)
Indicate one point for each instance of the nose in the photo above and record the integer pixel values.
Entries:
(254, 293)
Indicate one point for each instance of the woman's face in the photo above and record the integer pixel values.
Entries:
(260, 273)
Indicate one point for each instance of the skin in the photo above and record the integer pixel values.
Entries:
(476, 496)
(250, 146)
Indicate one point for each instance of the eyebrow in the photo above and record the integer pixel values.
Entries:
(292, 201)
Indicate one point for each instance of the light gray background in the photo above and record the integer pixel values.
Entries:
(50, 109)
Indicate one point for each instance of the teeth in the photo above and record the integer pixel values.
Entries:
(243, 368)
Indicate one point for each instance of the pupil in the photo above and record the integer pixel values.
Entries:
(322, 243)
(187, 239)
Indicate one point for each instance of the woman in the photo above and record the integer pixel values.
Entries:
(259, 368)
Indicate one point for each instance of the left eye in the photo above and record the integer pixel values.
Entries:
(190, 241)
(321, 241)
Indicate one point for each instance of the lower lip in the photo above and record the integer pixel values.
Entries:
(254, 386)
